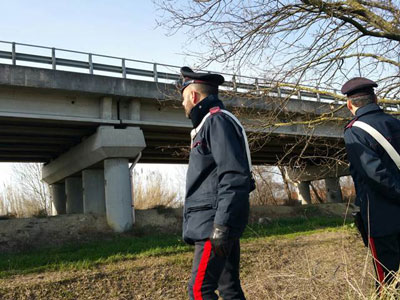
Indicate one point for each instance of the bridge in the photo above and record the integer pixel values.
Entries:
(87, 118)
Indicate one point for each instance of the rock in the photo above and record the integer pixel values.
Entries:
(264, 221)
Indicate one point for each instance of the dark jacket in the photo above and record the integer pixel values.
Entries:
(376, 176)
(218, 178)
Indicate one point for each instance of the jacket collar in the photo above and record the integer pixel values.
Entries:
(369, 108)
(203, 107)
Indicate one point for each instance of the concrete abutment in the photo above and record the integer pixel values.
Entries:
(73, 191)
(333, 191)
(59, 198)
(93, 191)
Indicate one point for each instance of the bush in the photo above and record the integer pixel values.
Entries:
(153, 192)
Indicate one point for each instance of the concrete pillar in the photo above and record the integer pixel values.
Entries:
(106, 108)
(93, 191)
(333, 191)
(304, 192)
(73, 189)
(118, 194)
(59, 198)
(134, 110)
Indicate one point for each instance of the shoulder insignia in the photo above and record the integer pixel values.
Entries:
(350, 124)
(215, 109)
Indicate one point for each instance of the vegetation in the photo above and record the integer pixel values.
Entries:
(126, 247)
(153, 190)
(303, 258)
(26, 194)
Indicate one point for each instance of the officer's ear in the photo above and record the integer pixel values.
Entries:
(349, 105)
(195, 96)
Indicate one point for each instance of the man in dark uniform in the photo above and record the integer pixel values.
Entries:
(375, 174)
(217, 189)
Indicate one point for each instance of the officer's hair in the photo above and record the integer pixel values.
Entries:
(206, 89)
(362, 100)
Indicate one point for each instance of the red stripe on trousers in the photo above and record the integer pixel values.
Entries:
(201, 271)
(379, 269)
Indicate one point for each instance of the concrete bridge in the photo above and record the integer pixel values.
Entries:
(87, 125)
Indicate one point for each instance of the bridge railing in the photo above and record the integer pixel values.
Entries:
(70, 60)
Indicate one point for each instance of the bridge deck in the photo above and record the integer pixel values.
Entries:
(44, 112)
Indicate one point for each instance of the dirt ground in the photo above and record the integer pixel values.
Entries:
(30, 233)
(325, 265)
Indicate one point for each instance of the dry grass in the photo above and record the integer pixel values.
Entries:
(153, 192)
(322, 265)
(309, 267)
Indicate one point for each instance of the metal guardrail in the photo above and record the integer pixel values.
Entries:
(236, 83)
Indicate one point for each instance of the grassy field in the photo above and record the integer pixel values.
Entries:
(298, 258)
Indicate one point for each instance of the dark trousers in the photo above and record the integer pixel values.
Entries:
(211, 273)
(386, 256)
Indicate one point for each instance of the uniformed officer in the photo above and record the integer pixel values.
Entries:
(217, 188)
(375, 174)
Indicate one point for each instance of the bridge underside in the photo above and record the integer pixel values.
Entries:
(30, 140)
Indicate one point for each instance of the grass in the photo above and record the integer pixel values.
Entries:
(123, 247)
(292, 227)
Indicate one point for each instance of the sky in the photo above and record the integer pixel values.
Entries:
(123, 28)
(127, 29)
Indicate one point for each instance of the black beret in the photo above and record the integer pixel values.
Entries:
(188, 77)
(358, 86)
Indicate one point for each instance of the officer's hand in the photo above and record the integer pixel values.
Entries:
(220, 241)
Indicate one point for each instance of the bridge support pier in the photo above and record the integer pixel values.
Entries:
(93, 191)
(59, 198)
(73, 190)
(333, 191)
(106, 146)
(118, 194)
(304, 192)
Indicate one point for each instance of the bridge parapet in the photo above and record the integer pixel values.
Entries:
(98, 64)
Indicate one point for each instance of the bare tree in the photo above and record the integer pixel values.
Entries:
(287, 185)
(304, 45)
(26, 194)
(309, 42)
(271, 187)
(29, 177)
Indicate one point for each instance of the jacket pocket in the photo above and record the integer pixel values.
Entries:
(200, 208)
(203, 204)
(198, 218)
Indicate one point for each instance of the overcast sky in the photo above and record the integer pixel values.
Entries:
(123, 28)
